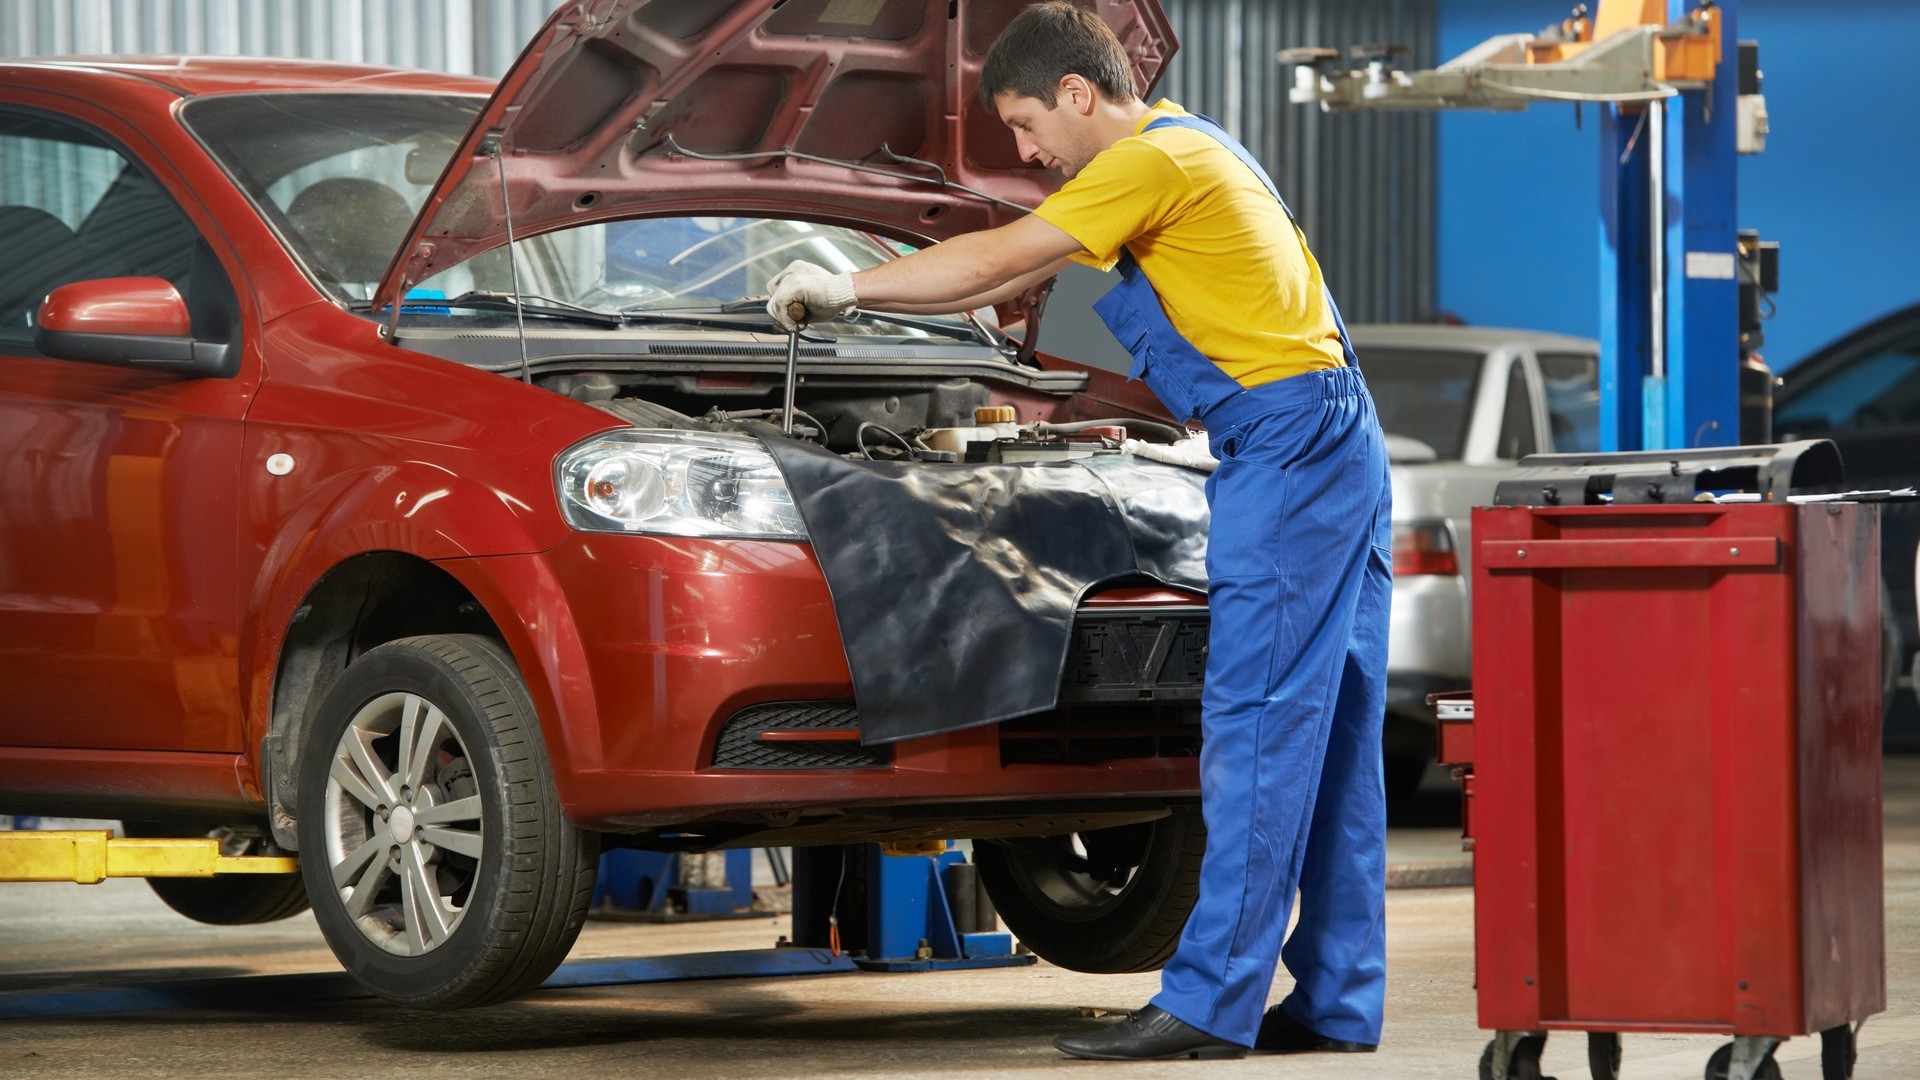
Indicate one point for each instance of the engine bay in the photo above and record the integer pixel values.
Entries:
(872, 417)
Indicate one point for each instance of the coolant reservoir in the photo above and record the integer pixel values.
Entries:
(990, 422)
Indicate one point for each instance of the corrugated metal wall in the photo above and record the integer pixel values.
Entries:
(1361, 185)
(480, 36)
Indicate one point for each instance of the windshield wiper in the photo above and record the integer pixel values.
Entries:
(723, 317)
(974, 331)
(539, 307)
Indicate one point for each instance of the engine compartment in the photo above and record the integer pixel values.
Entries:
(876, 417)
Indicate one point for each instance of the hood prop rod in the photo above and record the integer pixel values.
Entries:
(939, 181)
(491, 146)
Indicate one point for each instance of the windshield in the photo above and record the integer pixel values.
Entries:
(1424, 395)
(342, 176)
(664, 264)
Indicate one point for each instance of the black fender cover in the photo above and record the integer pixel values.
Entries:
(955, 585)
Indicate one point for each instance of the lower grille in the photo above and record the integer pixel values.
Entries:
(1131, 689)
(775, 736)
(1088, 734)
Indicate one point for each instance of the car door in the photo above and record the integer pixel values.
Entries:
(118, 606)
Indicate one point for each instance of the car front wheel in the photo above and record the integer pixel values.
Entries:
(1110, 900)
(439, 865)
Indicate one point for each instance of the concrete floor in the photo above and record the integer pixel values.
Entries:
(994, 1023)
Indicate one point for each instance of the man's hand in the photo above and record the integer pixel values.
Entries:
(826, 295)
(1190, 452)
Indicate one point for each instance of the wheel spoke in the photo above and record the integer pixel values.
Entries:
(348, 868)
(467, 809)
(366, 890)
(372, 770)
(418, 745)
(410, 707)
(353, 784)
(456, 840)
(426, 921)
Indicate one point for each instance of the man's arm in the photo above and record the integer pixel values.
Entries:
(968, 271)
(986, 299)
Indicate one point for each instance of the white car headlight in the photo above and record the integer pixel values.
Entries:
(677, 483)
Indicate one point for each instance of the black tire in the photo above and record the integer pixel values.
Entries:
(1120, 907)
(231, 899)
(1403, 773)
(508, 895)
(1524, 1064)
(1603, 1055)
(1722, 1062)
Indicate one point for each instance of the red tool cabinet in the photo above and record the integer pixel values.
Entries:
(1676, 776)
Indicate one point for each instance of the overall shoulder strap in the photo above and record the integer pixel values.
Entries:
(1208, 127)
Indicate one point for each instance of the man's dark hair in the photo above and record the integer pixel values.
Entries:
(1046, 43)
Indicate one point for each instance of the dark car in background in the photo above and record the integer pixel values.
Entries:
(1863, 392)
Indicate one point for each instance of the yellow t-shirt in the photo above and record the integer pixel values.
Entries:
(1230, 269)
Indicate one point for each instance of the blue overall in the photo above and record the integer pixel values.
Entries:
(1298, 567)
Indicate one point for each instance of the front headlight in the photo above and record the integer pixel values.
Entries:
(675, 483)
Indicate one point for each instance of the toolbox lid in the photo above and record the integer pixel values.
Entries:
(1652, 477)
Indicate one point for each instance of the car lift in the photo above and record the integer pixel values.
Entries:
(911, 907)
(92, 855)
(1671, 356)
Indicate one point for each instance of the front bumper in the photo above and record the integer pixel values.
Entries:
(636, 650)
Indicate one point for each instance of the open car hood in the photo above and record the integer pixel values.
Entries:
(624, 108)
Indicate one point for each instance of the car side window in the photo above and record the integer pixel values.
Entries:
(1516, 420)
(74, 208)
(1572, 382)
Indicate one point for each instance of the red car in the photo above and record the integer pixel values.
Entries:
(336, 523)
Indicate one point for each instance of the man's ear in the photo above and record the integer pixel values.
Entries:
(1077, 93)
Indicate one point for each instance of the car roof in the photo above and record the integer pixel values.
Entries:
(197, 75)
(1463, 338)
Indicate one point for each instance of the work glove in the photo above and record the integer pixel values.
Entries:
(1190, 452)
(827, 295)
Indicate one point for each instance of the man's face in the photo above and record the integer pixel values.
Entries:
(1060, 137)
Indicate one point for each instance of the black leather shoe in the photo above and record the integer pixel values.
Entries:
(1148, 1035)
(1282, 1034)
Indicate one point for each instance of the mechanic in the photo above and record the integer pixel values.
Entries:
(1229, 322)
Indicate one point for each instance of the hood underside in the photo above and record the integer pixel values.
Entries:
(623, 108)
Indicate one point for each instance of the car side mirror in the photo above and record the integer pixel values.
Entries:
(132, 322)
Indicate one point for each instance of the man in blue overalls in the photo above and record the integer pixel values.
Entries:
(1228, 320)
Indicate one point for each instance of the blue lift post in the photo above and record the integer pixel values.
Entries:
(894, 912)
(1672, 122)
(650, 885)
(1669, 350)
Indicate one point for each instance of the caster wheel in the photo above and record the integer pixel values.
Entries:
(1524, 1064)
(1722, 1059)
(1838, 1053)
(1603, 1055)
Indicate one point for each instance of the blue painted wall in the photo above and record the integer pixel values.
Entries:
(1838, 186)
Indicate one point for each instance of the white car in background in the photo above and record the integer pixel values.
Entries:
(1460, 405)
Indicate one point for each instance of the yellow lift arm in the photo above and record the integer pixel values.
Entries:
(93, 855)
